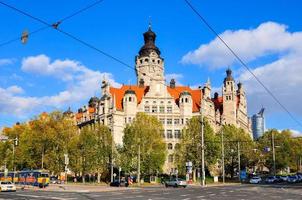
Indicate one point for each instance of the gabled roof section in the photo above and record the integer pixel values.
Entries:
(218, 103)
(196, 95)
(118, 94)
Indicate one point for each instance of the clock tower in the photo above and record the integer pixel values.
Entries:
(149, 65)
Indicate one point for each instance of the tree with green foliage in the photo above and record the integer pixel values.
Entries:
(287, 149)
(145, 132)
(189, 148)
(232, 135)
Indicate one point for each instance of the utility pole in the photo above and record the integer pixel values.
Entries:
(139, 164)
(111, 161)
(239, 164)
(13, 161)
(299, 163)
(274, 154)
(202, 153)
(15, 144)
(222, 152)
(42, 157)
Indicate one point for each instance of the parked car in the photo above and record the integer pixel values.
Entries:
(118, 183)
(255, 180)
(271, 179)
(299, 177)
(284, 178)
(292, 179)
(55, 180)
(176, 182)
(7, 186)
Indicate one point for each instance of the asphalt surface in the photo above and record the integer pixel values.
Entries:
(234, 192)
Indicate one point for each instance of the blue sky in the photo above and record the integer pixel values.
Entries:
(53, 72)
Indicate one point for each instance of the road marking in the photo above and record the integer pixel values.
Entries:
(184, 195)
(187, 199)
(36, 196)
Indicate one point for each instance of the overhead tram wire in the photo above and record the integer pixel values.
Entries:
(48, 25)
(242, 62)
(73, 37)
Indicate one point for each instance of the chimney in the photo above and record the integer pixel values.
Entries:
(141, 83)
(172, 83)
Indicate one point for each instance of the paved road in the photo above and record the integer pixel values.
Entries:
(234, 192)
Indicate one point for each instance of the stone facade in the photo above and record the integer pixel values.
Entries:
(173, 105)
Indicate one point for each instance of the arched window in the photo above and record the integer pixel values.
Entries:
(170, 146)
(158, 61)
(177, 146)
(186, 100)
(146, 60)
(170, 158)
(130, 99)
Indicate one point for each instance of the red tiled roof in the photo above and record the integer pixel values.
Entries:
(118, 94)
(91, 109)
(218, 103)
(79, 115)
(196, 95)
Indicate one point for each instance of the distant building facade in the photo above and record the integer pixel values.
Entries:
(258, 124)
(172, 105)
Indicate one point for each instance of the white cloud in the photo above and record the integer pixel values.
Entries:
(82, 83)
(177, 78)
(6, 61)
(14, 90)
(62, 69)
(268, 38)
(282, 78)
(280, 73)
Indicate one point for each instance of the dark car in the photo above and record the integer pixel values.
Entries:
(54, 180)
(117, 183)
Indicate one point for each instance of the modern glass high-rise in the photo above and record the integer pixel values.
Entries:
(258, 124)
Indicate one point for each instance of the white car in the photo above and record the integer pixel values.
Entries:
(255, 180)
(176, 182)
(7, 186)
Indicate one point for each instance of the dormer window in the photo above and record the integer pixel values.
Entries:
(146, 60)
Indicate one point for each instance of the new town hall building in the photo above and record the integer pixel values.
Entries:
(173, 105)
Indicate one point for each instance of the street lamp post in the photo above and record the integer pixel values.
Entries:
(202, 153)
(222, 152)
(139, 164)
(274, 154)
(239, 164)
